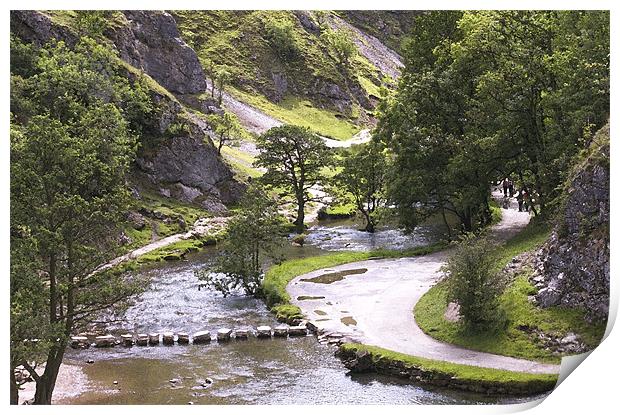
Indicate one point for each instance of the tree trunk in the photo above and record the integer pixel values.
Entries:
(299, 222)
(47, 382)
(445, 221)
(14, 388)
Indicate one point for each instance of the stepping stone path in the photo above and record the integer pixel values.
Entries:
(153, 339)
(80, 342)
(105, 341)
(223, 335)
(241, 334)
(127, 340)
(143, 339)
(182, 338)
(263, 331)
(280, 331)
(202, 337)
(168, 338)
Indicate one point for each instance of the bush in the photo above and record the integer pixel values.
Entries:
(473, 284)
(281, 37)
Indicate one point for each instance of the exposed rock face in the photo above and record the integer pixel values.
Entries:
(38, 28)
(184, 164)
(573, 266)
(151, 42)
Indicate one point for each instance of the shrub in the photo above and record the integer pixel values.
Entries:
(474, 285)
(281, 37)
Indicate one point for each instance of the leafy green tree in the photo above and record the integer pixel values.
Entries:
(341, 44)
(473, 285)
(363, 175)
(293, 157)
(281, 37)
(253, 237)
(226, 129)
(211, 72)
(223, 77)
(70, 152)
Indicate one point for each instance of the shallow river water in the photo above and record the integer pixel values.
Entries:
(254, 371)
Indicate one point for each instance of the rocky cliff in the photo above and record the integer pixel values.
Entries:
(177, 157)
(573, 265)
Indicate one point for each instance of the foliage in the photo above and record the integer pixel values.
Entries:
(71, 145)
(363, 175)
(490, 94)
(253, 236)
(280, 34)
(226, 128)
(473, 285)
(293, 157)
(340, 42)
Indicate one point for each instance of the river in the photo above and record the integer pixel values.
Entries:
(255, 371)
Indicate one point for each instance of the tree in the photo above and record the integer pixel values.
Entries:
(222, 79)
(341, 44)
(69, 157)
(211, 72)
(293, 157)
(473, 285)
(281, 37)
(253, 236)
(226, 129)
(363, 175)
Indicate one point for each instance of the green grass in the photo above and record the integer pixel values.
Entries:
(347, 209)
(177, 250)
(241, 163)
(557, 321)
(278, 276)
(297, 111)
(464, 373)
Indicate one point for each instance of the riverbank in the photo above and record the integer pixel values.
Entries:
(360, 358)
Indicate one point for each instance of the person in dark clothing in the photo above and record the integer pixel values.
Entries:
(505, 186)
(511, 188)
(520, 200)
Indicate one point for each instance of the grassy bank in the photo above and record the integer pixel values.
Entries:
(517, 339)
(441, 373)
(277, 277)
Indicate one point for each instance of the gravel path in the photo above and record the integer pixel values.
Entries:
(375, 306)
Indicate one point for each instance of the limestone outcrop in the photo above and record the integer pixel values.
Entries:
(573, 265)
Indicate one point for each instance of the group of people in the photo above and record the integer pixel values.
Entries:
(523, 197)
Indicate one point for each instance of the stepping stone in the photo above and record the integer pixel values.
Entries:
(297, 331)
(143, 339)
(79, 342)
(127, 340)
(223, 335)
(241, 334)
(263, 331)
(280, 331)
(153, 339)
(182, 338)
(105, 341)
(201, 337)
(168, 338)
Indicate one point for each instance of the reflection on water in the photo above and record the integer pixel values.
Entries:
(271, 371)
(345, 235)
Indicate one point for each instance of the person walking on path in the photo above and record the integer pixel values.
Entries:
(511, 187)
(505, 186)
(520, 200)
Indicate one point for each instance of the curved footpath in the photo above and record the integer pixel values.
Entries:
(375, 307)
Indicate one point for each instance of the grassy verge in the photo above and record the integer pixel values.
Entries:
(277, 277)
(439, 372)
(520, 312)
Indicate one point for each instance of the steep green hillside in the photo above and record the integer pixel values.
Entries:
(284, 61)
